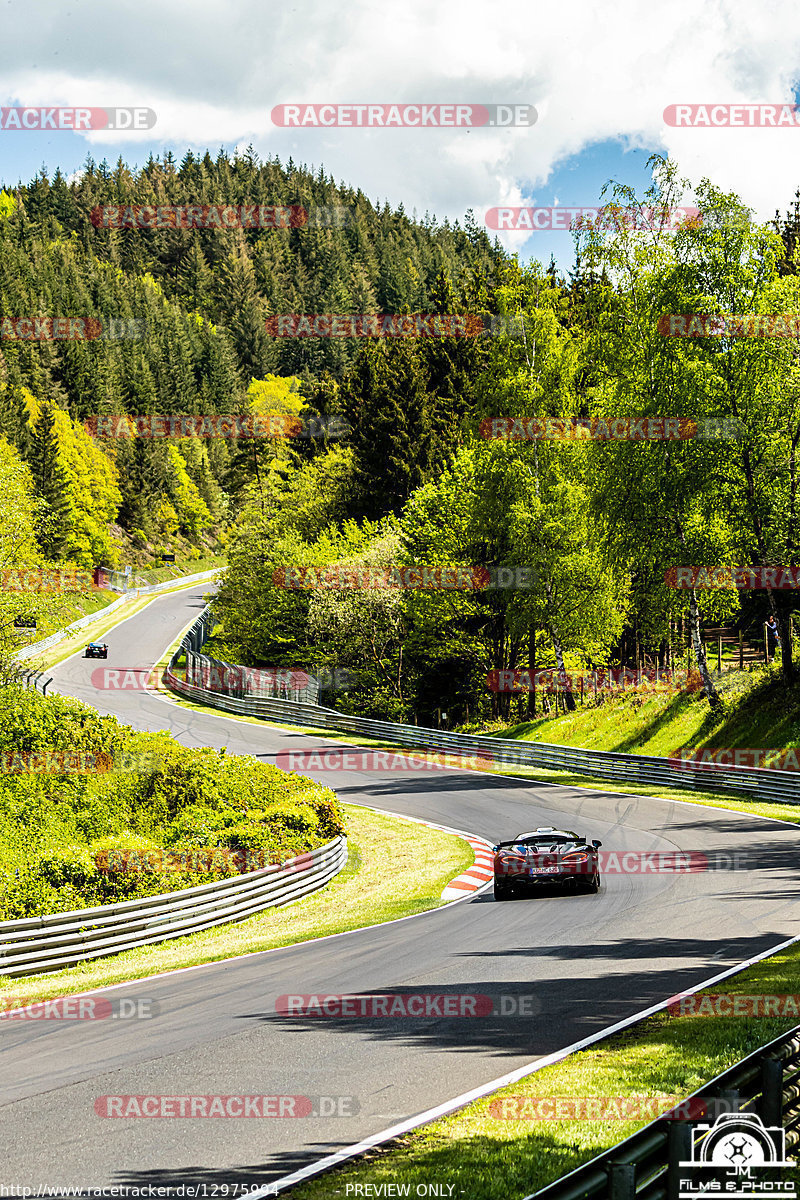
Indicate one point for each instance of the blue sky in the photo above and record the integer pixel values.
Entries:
(600, 83)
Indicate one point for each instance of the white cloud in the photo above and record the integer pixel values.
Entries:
(213, 72)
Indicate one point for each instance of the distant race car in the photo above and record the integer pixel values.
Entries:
(545, 856)
(96, 650)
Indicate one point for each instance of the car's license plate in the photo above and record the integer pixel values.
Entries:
(545, 870)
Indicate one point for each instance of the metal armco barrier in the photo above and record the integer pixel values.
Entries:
(759, 783)
(37, 944)
(242, 683)
(645, 1166)
(29, 679)
(28, 651)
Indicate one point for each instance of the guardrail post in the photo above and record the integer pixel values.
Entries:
(770, 1107)
(621, 1181)
(679, 1149)
(728, 1100)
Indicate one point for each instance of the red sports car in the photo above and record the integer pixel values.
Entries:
(545, 856)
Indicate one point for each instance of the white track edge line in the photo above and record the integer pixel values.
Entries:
(478, 1093)
(468, 1097)
(123, 621)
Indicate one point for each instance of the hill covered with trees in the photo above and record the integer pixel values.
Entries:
(427, 466)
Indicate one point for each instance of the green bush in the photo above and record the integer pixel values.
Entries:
(55, 829)
(199, 825)
(25, 893)
(69, 865)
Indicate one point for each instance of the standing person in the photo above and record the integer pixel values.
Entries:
(773, 637)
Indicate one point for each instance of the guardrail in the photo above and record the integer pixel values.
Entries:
(29, 679)
(27, 652)
(759, 783)
(243, 683)
(32, 945)
(646, 1165)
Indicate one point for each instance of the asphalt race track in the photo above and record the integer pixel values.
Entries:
(586, 961)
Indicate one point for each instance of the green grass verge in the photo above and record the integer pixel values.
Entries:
(485, 1154)
(736, 802)
(420, 862)
(182, 566)
(757, 713)
(94, 633)
(64, 609)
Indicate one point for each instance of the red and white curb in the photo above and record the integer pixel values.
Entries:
(478, 875)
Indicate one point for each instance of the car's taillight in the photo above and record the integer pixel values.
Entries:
(577, 860)
(509, 862)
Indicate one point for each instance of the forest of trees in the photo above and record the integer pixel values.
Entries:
(203, 296)
(413, 480)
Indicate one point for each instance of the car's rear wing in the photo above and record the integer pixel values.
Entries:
(551, 842)
(522, 842)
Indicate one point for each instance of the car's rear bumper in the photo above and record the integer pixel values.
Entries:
(536, 881)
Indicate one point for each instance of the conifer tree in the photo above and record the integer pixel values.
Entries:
(44, 461)
(386, 403)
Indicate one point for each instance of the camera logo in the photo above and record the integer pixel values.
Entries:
(727, 1153)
